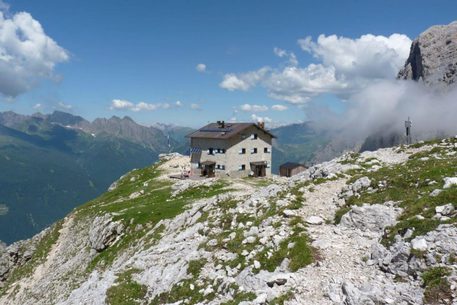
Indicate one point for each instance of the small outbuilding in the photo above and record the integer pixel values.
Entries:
(290, 169)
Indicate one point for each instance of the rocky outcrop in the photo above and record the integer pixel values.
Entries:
(104, 231)
(374, 217)
(372, 293)
(17, 254)
(436, 248)
(433, 57)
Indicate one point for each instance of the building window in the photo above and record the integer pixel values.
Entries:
(266, 150)
(221, 151)
(254, 136)
(268, 165)
(242, 167)
(242, 151)
(220, 166)
(254, 151)
(210, 151)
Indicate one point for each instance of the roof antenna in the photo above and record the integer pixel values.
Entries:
(408, 125)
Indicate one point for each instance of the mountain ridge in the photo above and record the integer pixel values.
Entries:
(321, 237)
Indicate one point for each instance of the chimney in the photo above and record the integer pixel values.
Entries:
(261, 125)
(221, 124)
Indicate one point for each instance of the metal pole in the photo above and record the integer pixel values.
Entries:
(408, 125)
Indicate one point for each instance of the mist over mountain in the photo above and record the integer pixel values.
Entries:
(52, 163)
(424, 90)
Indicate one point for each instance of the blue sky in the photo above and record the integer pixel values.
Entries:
(147, 52)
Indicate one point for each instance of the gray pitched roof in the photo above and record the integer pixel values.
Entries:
(214, 131)
(291, 165)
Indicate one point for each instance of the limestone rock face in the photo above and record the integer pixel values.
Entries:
(104, 232)
(433, 57)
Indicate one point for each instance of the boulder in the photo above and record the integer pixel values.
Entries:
(314, 220)
(449, 181)
(373, 218)
(104, 231)
(361, 183)
(419, 244)
(435, 192)
(445, 210)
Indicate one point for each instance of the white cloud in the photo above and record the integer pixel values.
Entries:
(201, 68)
(64, 106)
(279, 107)
(344, 66)
(37, 106)
(118, 104)
(243, 81)
(283, 53)
(121, 104)
(27, 54)
(253, 108)
(370, 56)
(195, 106)
(279, 52)
(257, 118)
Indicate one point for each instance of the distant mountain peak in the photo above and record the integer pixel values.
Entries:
(65, 118)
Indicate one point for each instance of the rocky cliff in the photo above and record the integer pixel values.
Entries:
(370, 228)
(433, 57)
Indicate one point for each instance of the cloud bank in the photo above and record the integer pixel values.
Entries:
(343, 66)
(119, 104)
(383, 107)
(27, 54)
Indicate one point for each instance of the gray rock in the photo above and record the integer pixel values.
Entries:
(449, 181)
(419, 244)
(370, 217)
(373, 293)
(445, 210)
(360, 183)
(314, 220)
(438, 246)
(433, 57)
(104, 231)
(435, 192)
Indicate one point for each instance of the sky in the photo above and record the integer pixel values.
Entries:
(192, 62)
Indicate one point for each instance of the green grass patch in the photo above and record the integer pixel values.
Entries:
(282, 298)
(239, 296)
(126, 291)
(300, 254)
(340, 212)
(436, 285)
(196, 266)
